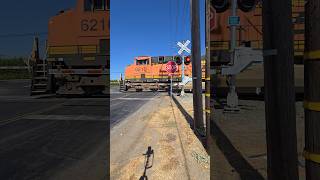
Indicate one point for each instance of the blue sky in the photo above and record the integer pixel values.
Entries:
(140, 27)
(148, 27)
(20, 17)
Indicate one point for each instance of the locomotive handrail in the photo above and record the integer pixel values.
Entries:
(74, 49)
(257, 44)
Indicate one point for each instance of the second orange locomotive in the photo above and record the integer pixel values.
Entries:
(149, 73)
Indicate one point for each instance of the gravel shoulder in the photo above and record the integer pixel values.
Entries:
(177, 153)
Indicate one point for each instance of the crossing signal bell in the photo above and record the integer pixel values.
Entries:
(244, 5)
(187, 60)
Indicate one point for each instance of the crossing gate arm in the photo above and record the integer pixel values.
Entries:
(242, 58)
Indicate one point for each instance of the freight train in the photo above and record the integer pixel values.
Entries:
(149, 73)
(77, 58)
(249, 34)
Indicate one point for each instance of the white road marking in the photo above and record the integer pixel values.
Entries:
(116, 92)
(66, 117)
(139, 99)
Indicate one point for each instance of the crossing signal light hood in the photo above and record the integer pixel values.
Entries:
(178, 60)
(220, 5)
(244, 5)
(247, 5)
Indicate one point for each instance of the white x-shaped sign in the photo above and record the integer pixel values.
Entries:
(184, 47)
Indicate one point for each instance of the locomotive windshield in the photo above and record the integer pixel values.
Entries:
(142, 61)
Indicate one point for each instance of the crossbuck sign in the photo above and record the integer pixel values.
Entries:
(184, 47)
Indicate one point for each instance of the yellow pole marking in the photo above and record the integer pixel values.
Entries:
(313, 106)
(312, 55)
(312, 156)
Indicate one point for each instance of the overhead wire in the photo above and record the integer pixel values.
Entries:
(177, 21)
(22, 34)
(184, 21)
(171, 26)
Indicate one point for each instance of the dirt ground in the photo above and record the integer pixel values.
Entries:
(159, 129)
(243, 146)
(246, 131)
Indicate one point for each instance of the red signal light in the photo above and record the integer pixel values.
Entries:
(187, 60)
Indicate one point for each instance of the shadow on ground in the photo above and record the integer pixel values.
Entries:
(149, 157)
(234, 157)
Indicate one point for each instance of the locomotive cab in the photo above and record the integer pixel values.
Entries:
(78, 48)
(93, 5)
(143, 61)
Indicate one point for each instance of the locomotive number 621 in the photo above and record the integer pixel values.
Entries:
(92, 25)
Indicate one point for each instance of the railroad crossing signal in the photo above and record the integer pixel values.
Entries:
(184, 47)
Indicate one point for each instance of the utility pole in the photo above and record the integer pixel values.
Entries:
(196, 68)
(207, 95)
(279, 90)
(312, 89)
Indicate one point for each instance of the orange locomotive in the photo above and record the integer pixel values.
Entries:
(78, 49)
(149, 73)
(249, 32)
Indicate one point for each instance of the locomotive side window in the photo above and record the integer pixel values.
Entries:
(92, 5)
(108, 5)
(154, 60)
(167, 59)
(88, 5)
(99, 5)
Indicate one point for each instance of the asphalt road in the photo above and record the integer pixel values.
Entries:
(58, 138)
(124, 104)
